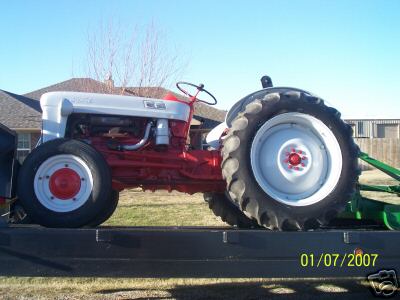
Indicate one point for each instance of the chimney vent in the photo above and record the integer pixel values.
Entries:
(109, 81)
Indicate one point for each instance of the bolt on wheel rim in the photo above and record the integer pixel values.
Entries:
(296, 159)
(63, 183)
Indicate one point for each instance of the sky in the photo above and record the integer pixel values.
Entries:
(347, 52)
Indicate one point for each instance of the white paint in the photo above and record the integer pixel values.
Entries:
(58, 106)
(162, 132)
(304, 132)
(48, 168)
(214, 136)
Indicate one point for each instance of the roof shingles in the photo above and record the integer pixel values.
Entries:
(17, 112)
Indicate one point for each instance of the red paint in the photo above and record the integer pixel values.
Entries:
(294, 159)
(185, 171)
(175, 167)
(65, 183)
(172, 97)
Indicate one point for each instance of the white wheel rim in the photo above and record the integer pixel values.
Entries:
(46, 173)
(306, 177)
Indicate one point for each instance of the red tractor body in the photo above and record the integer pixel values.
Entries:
(175, 167)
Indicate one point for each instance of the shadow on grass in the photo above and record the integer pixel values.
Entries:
(263, 289)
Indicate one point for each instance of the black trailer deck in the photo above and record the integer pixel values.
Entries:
(195, 252)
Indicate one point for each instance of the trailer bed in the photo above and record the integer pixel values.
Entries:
(194, 252)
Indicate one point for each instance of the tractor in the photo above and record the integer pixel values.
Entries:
(282, 159)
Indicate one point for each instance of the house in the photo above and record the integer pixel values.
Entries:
(22, 113)
(375, 128)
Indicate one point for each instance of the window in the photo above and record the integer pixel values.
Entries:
(360, 129)
(363, 129)
(390, 131)
(24, 146)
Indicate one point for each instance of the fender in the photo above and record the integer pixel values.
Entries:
(214, 136)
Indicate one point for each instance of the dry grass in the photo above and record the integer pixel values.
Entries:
(174, 209)
(191, 289)
(376, 177)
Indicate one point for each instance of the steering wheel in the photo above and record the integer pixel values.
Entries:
(200, 88)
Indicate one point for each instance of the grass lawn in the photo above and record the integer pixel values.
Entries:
(137, 208)
(174, 209)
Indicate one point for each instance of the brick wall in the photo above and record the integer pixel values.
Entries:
(34, 139)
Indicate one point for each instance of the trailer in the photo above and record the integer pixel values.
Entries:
(196, 252)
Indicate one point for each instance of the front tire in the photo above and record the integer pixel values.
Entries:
(107, 211)
(64, 183)
(290, 162)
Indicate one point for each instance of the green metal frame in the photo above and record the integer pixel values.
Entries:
(362, 208)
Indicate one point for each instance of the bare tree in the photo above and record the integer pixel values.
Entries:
(132, 61)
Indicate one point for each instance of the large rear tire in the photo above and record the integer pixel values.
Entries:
(229, 213)
(64, 183)
(290, 162)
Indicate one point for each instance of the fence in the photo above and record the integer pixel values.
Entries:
(386, 150)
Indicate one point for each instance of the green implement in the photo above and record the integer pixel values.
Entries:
(365, 209)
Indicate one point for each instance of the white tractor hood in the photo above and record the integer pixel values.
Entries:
(92, 103)
(57, 106)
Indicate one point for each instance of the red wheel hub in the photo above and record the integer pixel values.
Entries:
(294, 159)
(65, 183)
